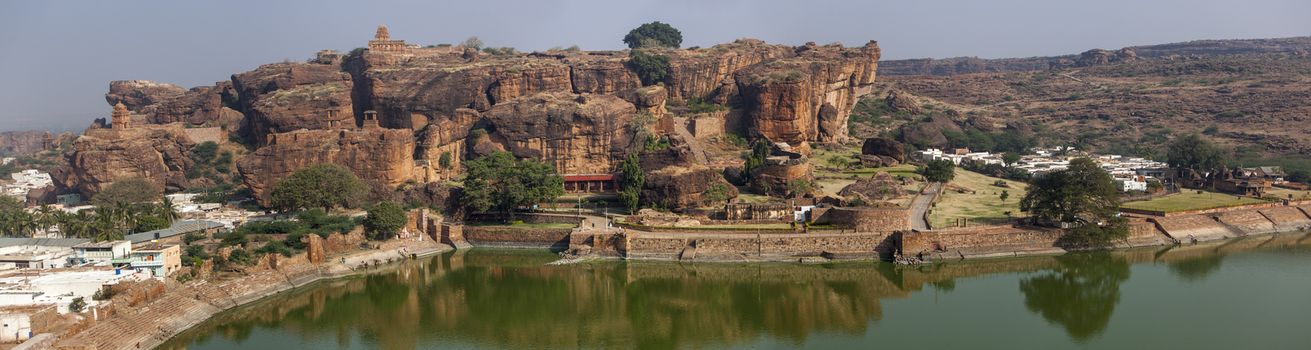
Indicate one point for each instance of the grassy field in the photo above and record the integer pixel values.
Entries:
(1284, 193)
(981, 203)
(1191, 200)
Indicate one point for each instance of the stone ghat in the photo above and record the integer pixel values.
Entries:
(1216, 225)
(1248, 222)
(759, 247)
(1194, 228)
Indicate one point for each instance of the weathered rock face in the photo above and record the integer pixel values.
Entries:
(807, 97)
(283, 97)
(383, 156)
(161, 103)
(22, 142)
(709, 73)
(889, 152)
(576, 133)
(603, 76)
(159, 154)
(419, 92)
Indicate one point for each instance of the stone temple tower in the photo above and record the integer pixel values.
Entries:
(382, 42)
(121, 118)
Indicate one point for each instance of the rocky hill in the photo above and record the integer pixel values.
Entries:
(1254, 103)
(392, 111)
(1186, 50)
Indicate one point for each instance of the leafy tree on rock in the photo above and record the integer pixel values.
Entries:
(654, 34)
(651, 68)
(756, 158)
(941, 170)
(319, 186)
(1194, 152)
(132, 190)
(384, 219)
(1084, 194)
(630, 188)
(499, 181)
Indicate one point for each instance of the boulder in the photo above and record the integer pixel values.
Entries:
(679, 187)
(578, 133)
(160, 154)
(879, 187)
(929, 133)
(886, 152)
(284, 97)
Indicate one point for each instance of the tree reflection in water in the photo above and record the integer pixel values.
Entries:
(1079, 294)
(1196, 269)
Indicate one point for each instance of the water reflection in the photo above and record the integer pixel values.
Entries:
(511, 299)
(1079, 294)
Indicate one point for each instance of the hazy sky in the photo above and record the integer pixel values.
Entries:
(57, 57)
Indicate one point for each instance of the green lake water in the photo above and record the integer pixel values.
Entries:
(1252, 293)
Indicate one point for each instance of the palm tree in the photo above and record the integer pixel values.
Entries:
(75, 225)
(167, 211)
(104, 227)
(45, 217)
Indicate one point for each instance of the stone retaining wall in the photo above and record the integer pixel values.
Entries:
(502, 236)
(982, 241)
(530, 218)
(751, 247)
(867, 219)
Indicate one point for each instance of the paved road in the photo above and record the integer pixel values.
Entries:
(921, 204)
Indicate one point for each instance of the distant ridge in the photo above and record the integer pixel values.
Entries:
(965, 65)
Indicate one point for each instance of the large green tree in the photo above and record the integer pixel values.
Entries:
(501, 182)
(1083, 194)
(384, 219)
(654, 34)
(133, 190)
(941, 170)
(1194, 152)
(319, 186)
(630, 187)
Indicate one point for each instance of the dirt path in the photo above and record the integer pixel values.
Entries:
(698, 152)
(921, 204)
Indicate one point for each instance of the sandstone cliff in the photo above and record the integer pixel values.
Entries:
(101, 156)
(807, 97)
(379, 156)
(574, 109)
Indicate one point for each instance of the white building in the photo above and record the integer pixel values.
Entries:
(25, 181)
(1131, 183)
(102, 253)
